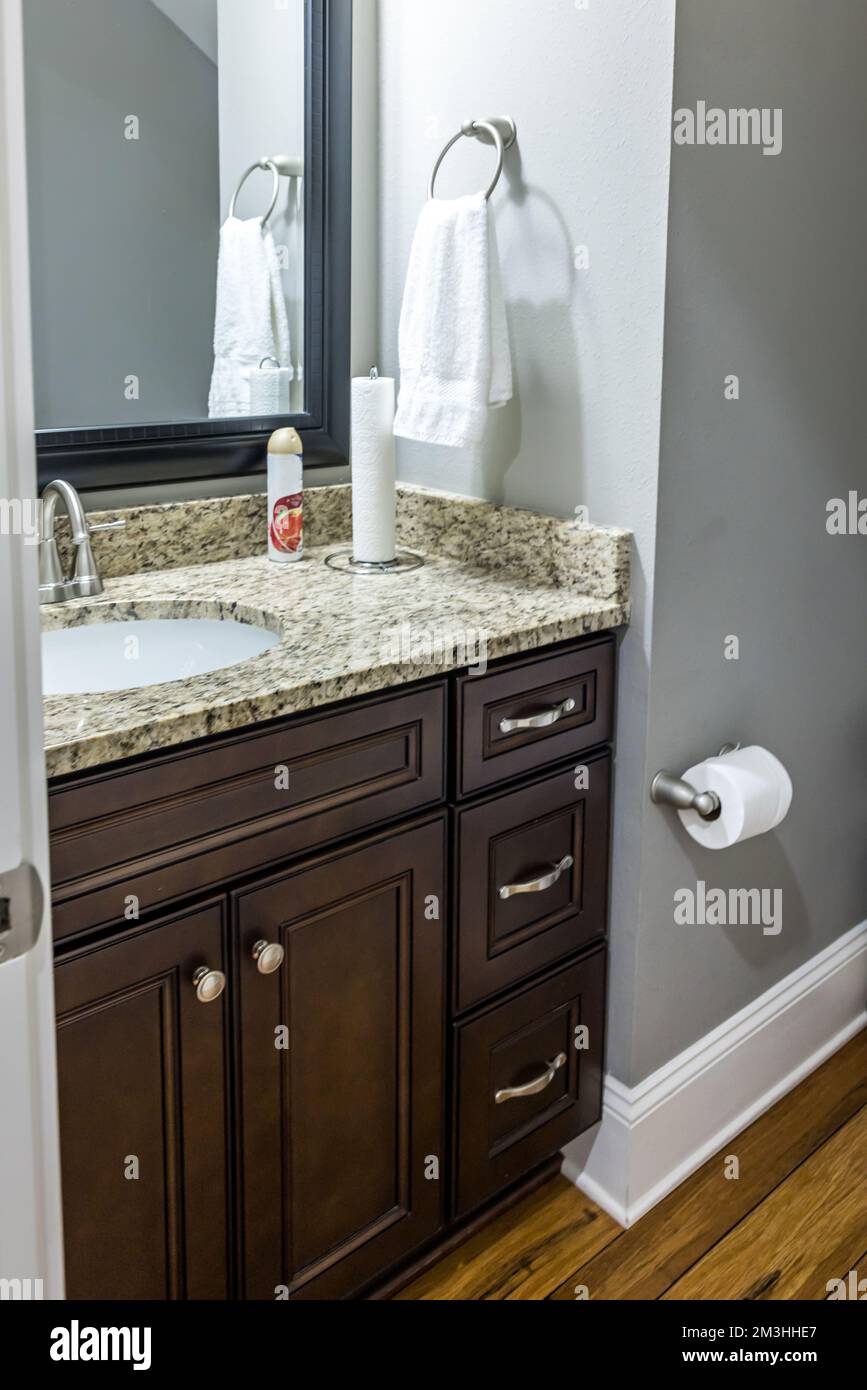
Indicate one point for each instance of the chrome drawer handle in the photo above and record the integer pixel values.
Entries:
(537, 885)
(533, 1088)
(539, 721)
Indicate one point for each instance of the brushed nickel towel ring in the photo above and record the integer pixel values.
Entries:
(499, 131)
(285, 165)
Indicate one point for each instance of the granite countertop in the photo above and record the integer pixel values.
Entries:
(341, 635)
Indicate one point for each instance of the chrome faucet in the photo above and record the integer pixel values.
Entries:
(85, 580)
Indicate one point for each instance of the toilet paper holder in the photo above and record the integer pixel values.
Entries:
(668, 790)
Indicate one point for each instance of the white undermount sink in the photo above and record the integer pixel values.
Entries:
(99, 657)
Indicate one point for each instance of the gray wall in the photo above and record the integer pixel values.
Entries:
(124, 234)
(767, 280)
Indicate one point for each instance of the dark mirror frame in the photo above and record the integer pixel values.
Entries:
(121, 457)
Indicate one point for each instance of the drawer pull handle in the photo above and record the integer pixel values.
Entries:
(210, 985)
(533, 1088)
(539, 721)
(269, 957)
(537, 885)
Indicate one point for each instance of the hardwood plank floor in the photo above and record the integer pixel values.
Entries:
(650, 1257)
(523, 1253)
(792, 1220)
(809, 1228)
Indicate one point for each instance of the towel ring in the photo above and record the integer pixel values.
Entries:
(499, 131)
(260, 164)
(285, 165)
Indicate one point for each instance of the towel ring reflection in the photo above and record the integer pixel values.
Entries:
(289, 166)
(499, 131)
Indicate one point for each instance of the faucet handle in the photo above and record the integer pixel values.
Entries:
(119, 525)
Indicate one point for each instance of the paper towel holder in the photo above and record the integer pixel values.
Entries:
(668, 790)
(344, 561)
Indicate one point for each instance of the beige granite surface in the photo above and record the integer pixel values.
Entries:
(590, 559)
(169, 535)
(496, 583)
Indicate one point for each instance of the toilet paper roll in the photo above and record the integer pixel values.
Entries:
(373, 470)
(755, 793)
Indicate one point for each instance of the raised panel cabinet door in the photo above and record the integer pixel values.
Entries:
(142, 1079)
(342, 1066)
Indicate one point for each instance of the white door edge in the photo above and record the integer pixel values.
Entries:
(31, 1244)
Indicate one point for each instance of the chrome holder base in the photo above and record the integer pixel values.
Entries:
(344, 562)
(668, 790)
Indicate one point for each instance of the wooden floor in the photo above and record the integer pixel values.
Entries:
(794, 1219)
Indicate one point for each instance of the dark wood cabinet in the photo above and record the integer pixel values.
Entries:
(168, 827)
(143, 1098)
(341, 1153)
(399, 907)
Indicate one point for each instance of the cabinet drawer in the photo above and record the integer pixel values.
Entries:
(533, 879)
(534, 713)
(176, 825)
(530, 1043)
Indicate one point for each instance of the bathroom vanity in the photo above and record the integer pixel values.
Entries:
(329, 921)
(330, 983)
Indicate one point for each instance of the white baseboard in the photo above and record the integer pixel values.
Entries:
(652, 1136)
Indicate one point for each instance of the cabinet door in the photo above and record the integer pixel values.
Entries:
(342, 1066)
(141, 1064)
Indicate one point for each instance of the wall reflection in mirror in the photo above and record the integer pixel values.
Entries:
(167, 257)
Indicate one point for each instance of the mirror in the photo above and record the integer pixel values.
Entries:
(189, 183)
(143, 117)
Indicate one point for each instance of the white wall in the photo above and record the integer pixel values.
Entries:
(590, 90)
(365, 187)
(262, 82)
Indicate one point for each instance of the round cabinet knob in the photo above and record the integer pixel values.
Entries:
(210, 985)
(269, 956)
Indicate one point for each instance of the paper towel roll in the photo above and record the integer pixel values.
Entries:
(755, 793)
(373, 470)
(269, 391)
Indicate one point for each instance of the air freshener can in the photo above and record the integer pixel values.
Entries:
(285, 497)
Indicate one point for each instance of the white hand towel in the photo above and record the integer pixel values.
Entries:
(455, 360)
(251, 319)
